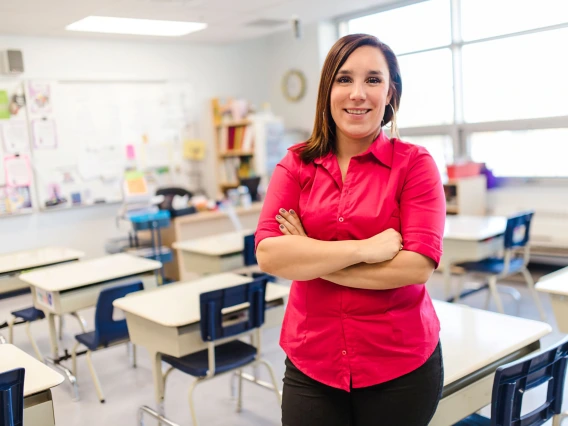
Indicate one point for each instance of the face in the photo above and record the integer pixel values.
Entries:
(360, 93)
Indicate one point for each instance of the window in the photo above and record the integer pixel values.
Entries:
(488, 18)
(516, 77)
(427, 89)
(405, 29)
(522, 153)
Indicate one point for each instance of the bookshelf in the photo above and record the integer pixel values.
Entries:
(234, 146)
(466, 196)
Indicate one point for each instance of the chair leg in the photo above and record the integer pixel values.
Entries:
(81, 321)
(530, 283)
(232, 385)
(95, 378)
(191, 405)
(33, 342)
(74, 359)
(133, 355)
(273, 379)
(240, 392)
(495, 293)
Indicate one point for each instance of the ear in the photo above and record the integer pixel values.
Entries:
(389, 95)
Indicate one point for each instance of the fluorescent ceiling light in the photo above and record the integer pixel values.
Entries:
(105, 24)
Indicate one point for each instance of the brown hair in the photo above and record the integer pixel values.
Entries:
(322, 140)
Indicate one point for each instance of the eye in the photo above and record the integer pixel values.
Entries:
(343, 80)
(374, 80)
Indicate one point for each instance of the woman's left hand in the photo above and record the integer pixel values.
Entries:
(290, 223)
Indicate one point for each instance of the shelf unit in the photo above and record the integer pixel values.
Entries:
(466, 195)
(234, 148)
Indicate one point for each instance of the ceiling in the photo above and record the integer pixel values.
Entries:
(229, 20)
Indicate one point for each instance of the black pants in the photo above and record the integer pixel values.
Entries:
(410, 400)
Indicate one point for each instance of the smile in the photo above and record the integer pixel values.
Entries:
(357, 111)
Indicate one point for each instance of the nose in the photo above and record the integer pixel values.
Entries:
(358, 92)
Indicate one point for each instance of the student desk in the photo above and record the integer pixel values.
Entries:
(69, 288)
(556, 285)
(214, 254)
(469, 239)
(474, 343)
(166, 320)
(12, 264)
(38, 381)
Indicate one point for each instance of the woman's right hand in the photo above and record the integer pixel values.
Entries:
(381, 247)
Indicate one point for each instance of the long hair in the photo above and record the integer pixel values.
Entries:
(322, 140)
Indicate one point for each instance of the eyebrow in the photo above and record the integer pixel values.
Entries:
(349, 72)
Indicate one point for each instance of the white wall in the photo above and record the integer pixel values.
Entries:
(236, 70)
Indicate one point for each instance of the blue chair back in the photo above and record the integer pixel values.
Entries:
(248, 253)
(517, 231)
(514, 379)
(12, 397)
(106, 328)
(213, 303)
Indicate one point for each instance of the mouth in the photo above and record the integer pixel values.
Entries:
(357, 111)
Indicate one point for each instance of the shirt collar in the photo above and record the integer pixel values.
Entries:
(381, 149)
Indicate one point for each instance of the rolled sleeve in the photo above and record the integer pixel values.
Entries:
(423, 207)
(283, 192)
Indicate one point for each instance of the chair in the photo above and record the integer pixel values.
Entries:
(225, 353)
(496, 268)
(108, 332)
(12, 397)
(514, 379)
(28, 315)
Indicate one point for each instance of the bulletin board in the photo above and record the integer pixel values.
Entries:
(16, 172)
(85, 135)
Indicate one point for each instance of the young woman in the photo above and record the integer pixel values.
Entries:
(356, 219)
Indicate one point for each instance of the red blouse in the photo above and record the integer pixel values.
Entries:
(342, 336)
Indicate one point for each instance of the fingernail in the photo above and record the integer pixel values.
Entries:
(278, 217)
(292, 211)
(281, 226)
(282, 211)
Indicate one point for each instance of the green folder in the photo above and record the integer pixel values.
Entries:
(4, 105)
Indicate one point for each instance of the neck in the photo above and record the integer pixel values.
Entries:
(349, 147)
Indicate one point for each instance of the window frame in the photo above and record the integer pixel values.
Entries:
(460, 130)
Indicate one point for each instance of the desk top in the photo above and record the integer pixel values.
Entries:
(215, 245)
(256, 207)
(474, 228)
(86, 272)
(555, 283)
(38, 378)
(473, 338)
(28, 259)
(176, 305)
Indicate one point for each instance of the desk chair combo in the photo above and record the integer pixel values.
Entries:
(12, 397)
(514, 379)
(225, 353)
(497, 268)
(107, 332)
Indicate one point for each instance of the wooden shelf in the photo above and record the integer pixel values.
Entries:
(235, 123)
(229, 184)
(452, 209)
(236, 154)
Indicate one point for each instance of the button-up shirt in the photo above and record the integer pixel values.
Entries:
(347, 337)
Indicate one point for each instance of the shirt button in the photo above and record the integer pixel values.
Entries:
(343, 352)
(341, 219)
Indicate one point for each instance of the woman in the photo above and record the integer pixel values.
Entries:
(356, 220)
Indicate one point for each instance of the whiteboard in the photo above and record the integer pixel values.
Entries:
(84, 135)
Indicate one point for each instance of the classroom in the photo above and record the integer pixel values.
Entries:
(283, 212)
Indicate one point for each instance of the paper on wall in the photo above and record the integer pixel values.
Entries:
(44, 135)
(17, 170)
(15, 136)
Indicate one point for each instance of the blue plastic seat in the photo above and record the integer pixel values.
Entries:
(513, 380)
(107, 331)
(234, 354)
(251, 264)
(12, 397)
(28, 315)
(516, 238)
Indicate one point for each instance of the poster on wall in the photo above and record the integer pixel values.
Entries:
(18, 171)
(39, 97)
(43, 134)
(14, 135)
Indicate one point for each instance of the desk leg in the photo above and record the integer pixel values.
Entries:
(447, 276)
(52, 335)
(156, 358)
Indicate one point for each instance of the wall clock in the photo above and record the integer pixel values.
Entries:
(294, 85)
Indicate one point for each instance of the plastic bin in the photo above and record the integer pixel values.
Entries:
(456, 171)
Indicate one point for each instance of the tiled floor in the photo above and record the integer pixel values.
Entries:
(127, 388)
